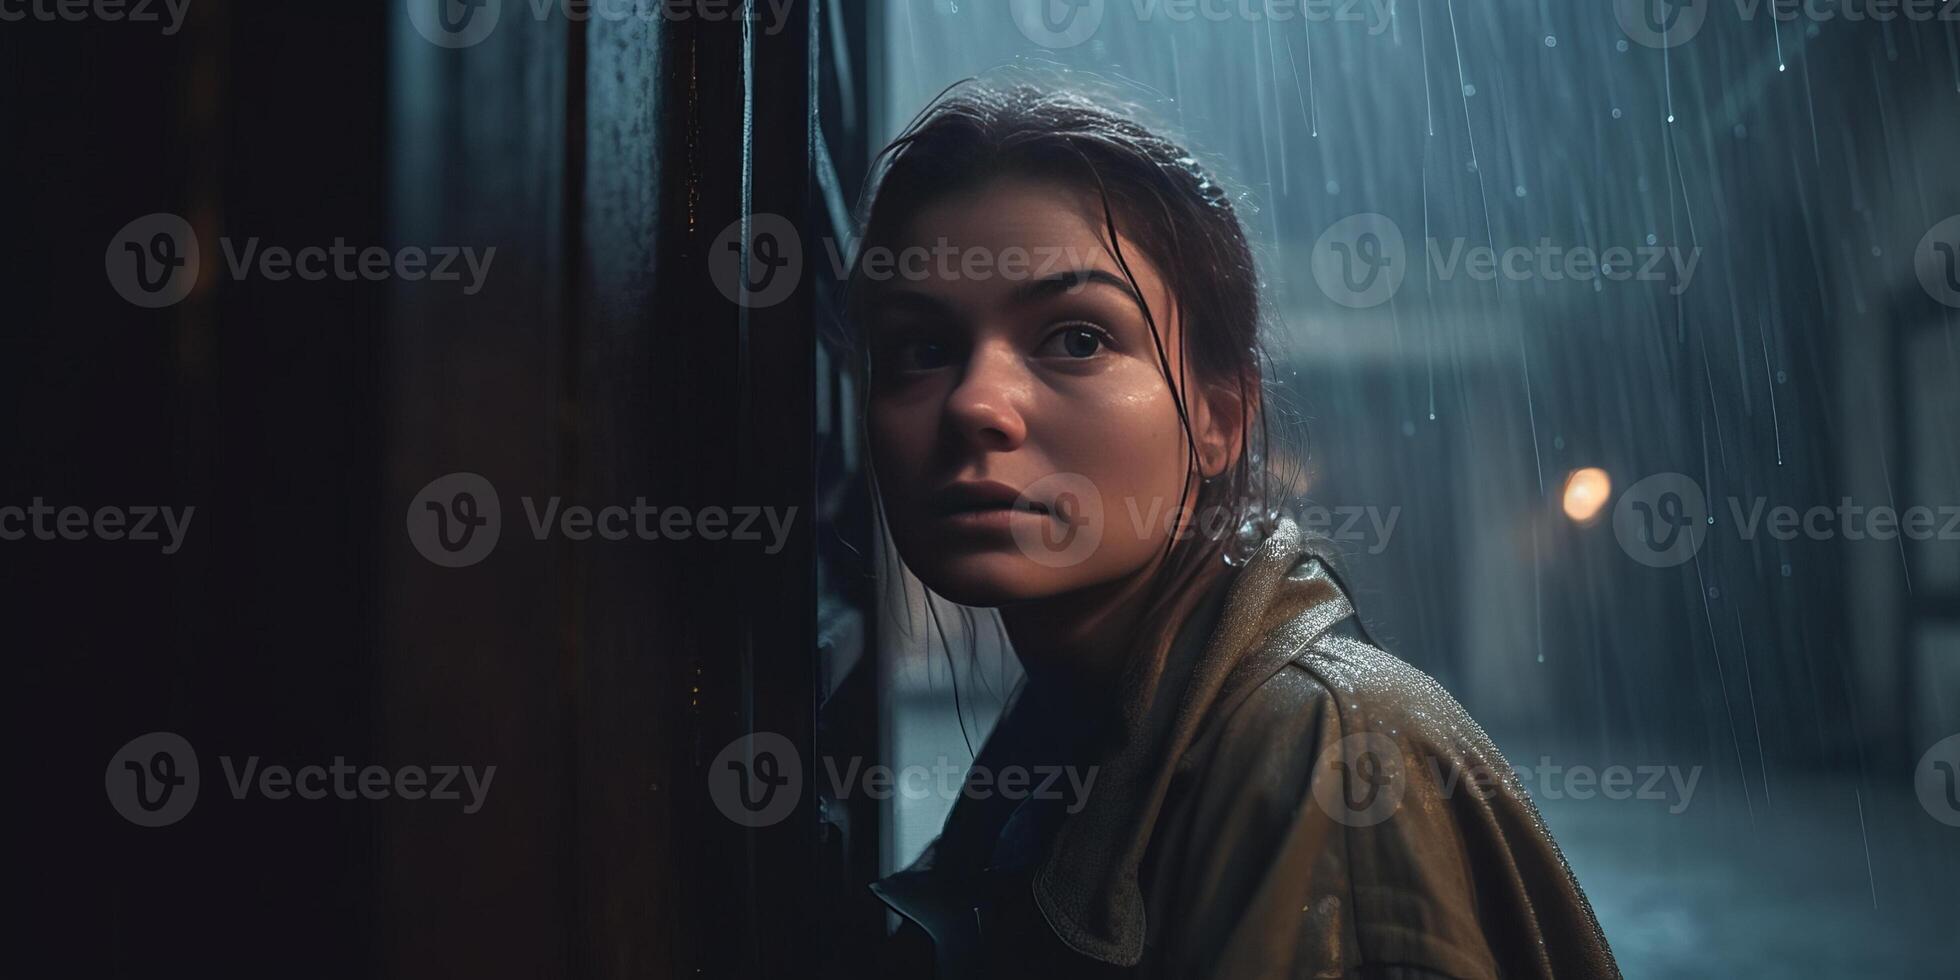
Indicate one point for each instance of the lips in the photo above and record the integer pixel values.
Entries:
(982, 497)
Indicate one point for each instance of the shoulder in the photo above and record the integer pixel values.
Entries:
(1341, 726)
(1334, 686)
(1376, 691)
(1349, 781)
(1303, 796)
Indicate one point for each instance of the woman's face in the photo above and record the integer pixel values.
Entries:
(1022, 427)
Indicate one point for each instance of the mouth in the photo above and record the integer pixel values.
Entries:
(1023, 506)
(970, 500)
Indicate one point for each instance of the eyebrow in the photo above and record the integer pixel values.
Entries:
(1029, 292)
(1070, 279)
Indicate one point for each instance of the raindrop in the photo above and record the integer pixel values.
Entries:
(1551, 41)
(1741, 131)
(1714, 592)
(1620, 46)
(1408, 427)
(1518, 190)
(1469, 90)
(1333, 187)
(1653, 239)
(1558, 443)
(1616, 112)
(1877, 252)
(1786, 569)
(1781, 377)
(1670, 117)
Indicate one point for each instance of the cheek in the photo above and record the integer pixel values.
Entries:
(1129, 441)
(897, 437)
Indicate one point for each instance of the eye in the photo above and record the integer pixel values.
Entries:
(923, 355)
(1076, 340)
(915, 352)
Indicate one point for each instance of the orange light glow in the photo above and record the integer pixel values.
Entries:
(1586, 492)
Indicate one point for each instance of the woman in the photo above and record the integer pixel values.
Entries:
(1059, 316)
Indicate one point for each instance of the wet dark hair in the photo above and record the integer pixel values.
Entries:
(1157, 195)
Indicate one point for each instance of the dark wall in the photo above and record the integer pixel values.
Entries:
(254, 402)
(298, 623)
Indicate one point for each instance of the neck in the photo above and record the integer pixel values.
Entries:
(1079, 642)
(1076, 641)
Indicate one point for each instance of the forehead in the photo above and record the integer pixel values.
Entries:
(1011, 211)
(977, 246)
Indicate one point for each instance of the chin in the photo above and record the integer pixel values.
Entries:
(988, 580)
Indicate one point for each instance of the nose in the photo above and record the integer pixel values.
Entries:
(985, 408)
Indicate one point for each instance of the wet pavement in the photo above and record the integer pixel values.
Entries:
(1729, 887)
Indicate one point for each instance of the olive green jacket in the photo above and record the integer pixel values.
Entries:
(1284, 800)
